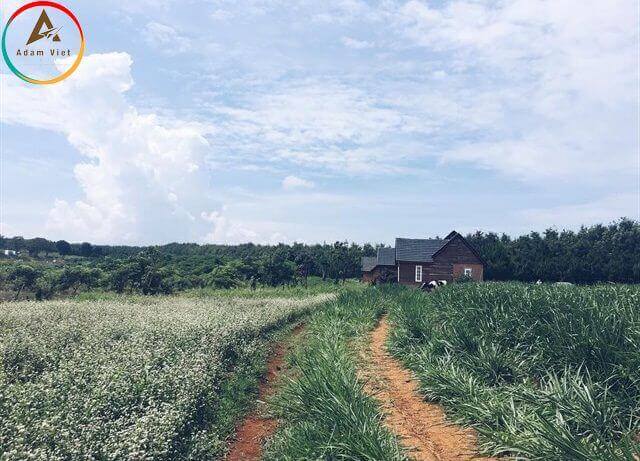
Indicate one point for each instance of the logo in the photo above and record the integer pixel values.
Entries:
(53, 49)
(49, 31)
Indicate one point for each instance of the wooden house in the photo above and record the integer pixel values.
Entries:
(414, 262)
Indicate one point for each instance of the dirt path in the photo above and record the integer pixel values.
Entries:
(255, 429)
(421, 426)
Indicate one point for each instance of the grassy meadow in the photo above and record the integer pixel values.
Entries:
(326, 412)
(133, 378)
(542, 372)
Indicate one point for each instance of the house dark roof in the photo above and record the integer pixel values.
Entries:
(386, 256)
(418, 250)
(369, 263)
(413, 250)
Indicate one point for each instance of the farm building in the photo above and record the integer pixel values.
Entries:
(416, 261)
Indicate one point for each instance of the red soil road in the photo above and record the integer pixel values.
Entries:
(421, 426)
(255, 429)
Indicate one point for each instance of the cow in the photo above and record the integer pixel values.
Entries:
(433, 285)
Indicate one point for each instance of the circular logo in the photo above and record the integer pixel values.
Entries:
(38, 40)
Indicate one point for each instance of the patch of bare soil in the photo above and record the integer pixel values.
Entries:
(255, 429)
(421, 426)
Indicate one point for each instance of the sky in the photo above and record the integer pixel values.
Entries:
(220, 121)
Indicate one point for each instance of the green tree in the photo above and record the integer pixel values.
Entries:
(46, 286)
(304, 265)
(143, 274)
(72, 278)
(276, 270)
(63, 247)
(225, 276)
(86, 250)
(37, 246)
(339, 263)
(23, 277)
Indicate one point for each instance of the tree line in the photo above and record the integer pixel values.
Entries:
(178, 267)
(600, 253)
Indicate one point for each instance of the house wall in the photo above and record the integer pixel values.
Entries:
(477, 271)
(448, 265)
(372, 276)
(408, 273)
(367, 277)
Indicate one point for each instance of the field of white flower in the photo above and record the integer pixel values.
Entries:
(131, 379)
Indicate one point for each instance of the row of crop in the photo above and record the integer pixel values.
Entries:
(325, 411)
(543, 372)
(125, 380)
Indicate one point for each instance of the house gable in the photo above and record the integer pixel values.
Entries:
(451, 261)
(455, 238)
(457, 251)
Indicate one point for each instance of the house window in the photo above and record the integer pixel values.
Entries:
(468, 272)
(418, 273)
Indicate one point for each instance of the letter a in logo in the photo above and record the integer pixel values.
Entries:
(49, 31)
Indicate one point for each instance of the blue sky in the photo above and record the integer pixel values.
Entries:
(268, 121)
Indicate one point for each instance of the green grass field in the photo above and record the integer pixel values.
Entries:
(325, 410)
(542, 372)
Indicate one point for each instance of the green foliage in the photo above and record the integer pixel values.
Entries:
(46, 285)
(315, 285)
(464, 279)
(149, 378)
(142, 274)
(86, 250)
(593, 254)
(63, 247)
(72, 278)
(225, 276)
(277, 270)
(22, 277)
(544, 372)
(327, 413)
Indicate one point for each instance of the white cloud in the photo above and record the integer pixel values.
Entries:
(221, 15)
(139, 170)
(542, 92)
(562, 74)
(310, 112)
(7, 230)
(228, 230)
(165, 38)
(318, 125)
(294, 182)
(225, 230)
(604, 210)
(356, 44)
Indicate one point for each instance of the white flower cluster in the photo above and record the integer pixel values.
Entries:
(122, 380)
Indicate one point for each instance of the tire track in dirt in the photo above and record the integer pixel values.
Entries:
(421, 426)
(255, 429)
